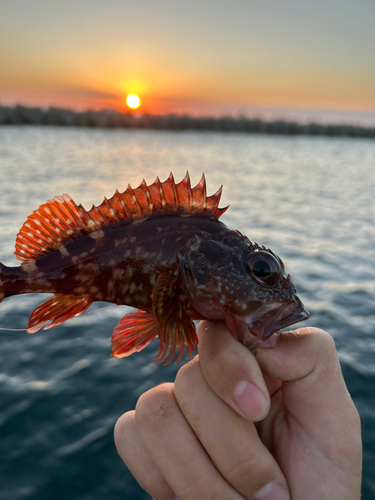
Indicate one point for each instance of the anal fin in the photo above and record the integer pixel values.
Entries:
(57, 309)
(133, 333)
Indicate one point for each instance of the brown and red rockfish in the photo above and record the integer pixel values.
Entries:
(161, 249)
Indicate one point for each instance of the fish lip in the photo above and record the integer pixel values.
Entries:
(298, 313)
(254, 329)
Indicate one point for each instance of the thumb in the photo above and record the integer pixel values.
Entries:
(313, 389)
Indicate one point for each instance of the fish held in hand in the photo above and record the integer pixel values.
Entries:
(161, 249)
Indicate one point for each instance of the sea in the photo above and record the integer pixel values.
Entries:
(310, 199)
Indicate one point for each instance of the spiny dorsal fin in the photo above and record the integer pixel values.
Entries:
(164, 196)
(159, 196)
(61, 220)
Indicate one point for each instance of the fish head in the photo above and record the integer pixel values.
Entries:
(245, 285)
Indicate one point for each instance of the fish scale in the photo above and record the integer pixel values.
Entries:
(161, 249)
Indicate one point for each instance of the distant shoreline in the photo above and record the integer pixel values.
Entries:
(23, 115)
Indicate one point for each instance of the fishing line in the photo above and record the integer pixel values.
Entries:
(14, 329)
(101, 309)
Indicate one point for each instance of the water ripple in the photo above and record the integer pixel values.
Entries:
(311, 200)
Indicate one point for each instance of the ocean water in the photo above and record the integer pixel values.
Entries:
(310, 199)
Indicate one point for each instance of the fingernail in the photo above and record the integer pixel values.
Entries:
(272, 491)
(249, 399)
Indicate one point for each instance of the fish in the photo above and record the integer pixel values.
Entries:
(161, 249)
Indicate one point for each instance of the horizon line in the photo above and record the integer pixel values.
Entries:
(111, 118)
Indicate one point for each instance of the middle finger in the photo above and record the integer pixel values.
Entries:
(230, 440)
(175, 450)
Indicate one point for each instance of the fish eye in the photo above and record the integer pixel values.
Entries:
(264, 268)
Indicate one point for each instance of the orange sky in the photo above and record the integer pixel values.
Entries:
(208, 57)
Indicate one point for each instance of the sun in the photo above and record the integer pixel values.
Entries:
(133, 101)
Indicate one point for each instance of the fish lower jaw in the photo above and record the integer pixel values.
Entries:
(277, 318)
(254, 329)
(257, 326)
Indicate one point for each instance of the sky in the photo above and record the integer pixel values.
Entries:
(201, 57)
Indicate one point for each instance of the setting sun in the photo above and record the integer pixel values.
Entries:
(133, 101)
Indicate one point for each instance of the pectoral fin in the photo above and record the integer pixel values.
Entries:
(133, 333)
(170, 322)
(175, 328)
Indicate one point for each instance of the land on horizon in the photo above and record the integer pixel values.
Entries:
(107, 118)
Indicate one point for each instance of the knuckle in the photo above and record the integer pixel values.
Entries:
(251, 463)
(324, 341)
(191, 390)
(326, 359)
(124, 425)
(155, 406)
(315, 350)
(155, 483)
(188, 375)
(204, 492)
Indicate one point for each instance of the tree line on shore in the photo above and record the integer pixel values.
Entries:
(23, 115)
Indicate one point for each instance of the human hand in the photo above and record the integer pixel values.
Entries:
(232, 426)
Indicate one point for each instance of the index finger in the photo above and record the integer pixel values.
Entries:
(232, 371)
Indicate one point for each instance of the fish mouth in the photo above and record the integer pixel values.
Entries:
(293, 313)
(260, 325)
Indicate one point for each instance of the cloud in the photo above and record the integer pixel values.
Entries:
(90, 93)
